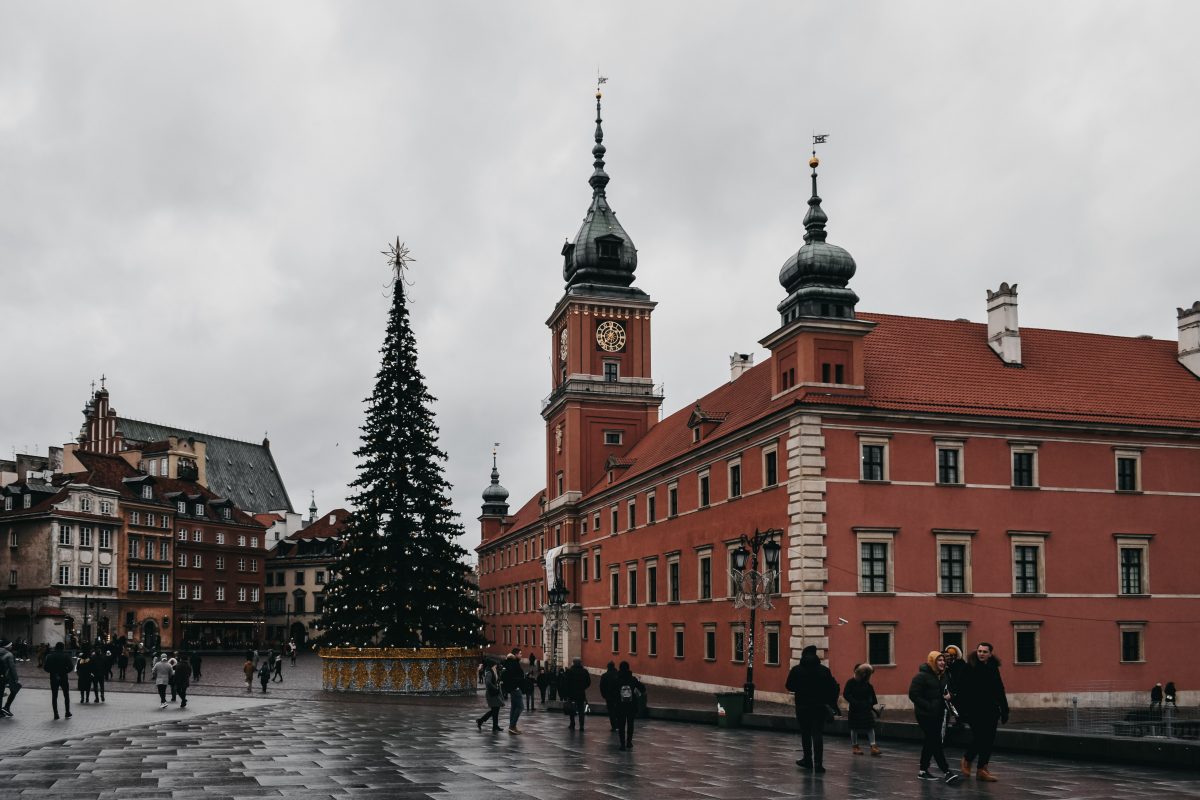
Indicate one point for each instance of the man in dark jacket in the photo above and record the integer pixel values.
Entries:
(816, 694)
(608, 683)
(986, 705)
(575, 685)
(511, 678)
(58, 664)
(183, 679)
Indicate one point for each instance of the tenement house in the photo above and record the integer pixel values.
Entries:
(297, 571)
(930, 482)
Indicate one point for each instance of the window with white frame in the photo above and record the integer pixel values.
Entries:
(182, 535)
(106, 538)
(164, 551)
(199, 510)
(254, 595)
(64, 575)
(631, 573)
(133, 581)
(1024, 464)
(85, 504)
(954, 561)
(147, 492)
(182, 591)
(616, 638)
(679, 637)
(735, 478)
(614, 587)
(197, 561)
(1027, 644)
(631, 509)
(652, 581)
(949, 461)
(241, 594)
(181, 508)
(102, 576)
(710, 642)
(875, 555)
(613, 437)
(738, 640)
(64, 535)
(197, 592)
(220, 591)
(220, 537)
(672, 499)
(197, 535)
(873, 458)
(596, 563)
(220, 564)
(1133, 564)
(613, 519)
(703, 488)
(163, 581)
(1129, 469)
(596, 628)
(241, 541)
(1029, 563)
(633, 640)
(704, 573)
(672, 577)
(880, 641)
(771, 652)
(135, 518)
(651, 507)
(106, 507)
(770, 466)
(953, 633)
(85, 536)
(652, 640)
(85, 576)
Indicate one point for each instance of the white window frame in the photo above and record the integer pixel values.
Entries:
(957, 445)
(614, 438)
(103, 575)
(241, 594)
(885, 536)
(705, 554)
(949, 537)
(182, 591)
(703, 479)
(1132, 541)
(880, 440)
(631, 581)
(772, 629)
(710, 636)
(1015, 447)
(1028, 539)
(679, 640)
(631, 513)
(182, 558)
(734, 464)
(1131, 453)
(147, 492)
(220, 592)
(198, 592)
(651, 564)
(652, 640)
(770, 450)
(672, 499)
(736, 630)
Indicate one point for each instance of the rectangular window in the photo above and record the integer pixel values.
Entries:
(133, 582)
(241, 594)
(952, 561)
(673, 581)
(135, 518)
(220, 537)
(874, 566)
(739, 645)
(197, 592)
(710, 644)
(1025, 569)
(320, 577)
(597, 628)
(182, 536)
(633, 642)
(614, 581)
(704, 498)
(583, 632)
(64, 534)
(611, 371)
(953, 633)
(106, 507)
(652, 640)
(102, 576)
(1132, 643)
(254, 595)
(874, 462)
(220, 592)
(651, 510)
(183, 562)
(133, 548)
(181, 508)
(673, 500)
(199, 510)
(1128, 471)
(64, 575)
(241, 541)
(772, 654)
(151, 520)
(164, 551)
(197, 561)
(147, 493)
(631, 507)
(583, 563)
(1133, 556)
(182, 591)
(879, 644)
(197, 535)
(706, 577)
(679, 642)
(220, 562)
(949, 464)
(616, 638)
(612, 437)
(1024, 465)
(770, 468)
(596, 522)
(149, 550)
(735, 479)
(85, 536)
(632, 575)
(596, 563)
(1028, 646)
(652, 583)
(254, 541)
(299, 577)
(163, 578)
(85, 504)
(254, 565)
(85, 576)
(613, 514)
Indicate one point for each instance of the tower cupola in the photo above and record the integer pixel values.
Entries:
(601, 259)
(495, 496)
(816, 276)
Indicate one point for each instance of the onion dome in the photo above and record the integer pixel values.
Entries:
(816, 276)
(495, 496)
(602, 256)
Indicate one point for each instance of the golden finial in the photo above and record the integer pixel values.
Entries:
(814, 162)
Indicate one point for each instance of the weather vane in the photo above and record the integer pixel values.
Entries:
(600, 80)
(818, 138)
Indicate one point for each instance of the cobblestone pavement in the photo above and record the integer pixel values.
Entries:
(431, 749)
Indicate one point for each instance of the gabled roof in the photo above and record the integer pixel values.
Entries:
(327, 526)
(243, 471)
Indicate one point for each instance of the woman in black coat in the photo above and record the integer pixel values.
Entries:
(928, 694)
(816, 694)
(860, 696)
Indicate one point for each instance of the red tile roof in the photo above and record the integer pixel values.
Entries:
(327, 526)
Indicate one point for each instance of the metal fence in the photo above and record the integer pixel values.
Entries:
(1112, 708)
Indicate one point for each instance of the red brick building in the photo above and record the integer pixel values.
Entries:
(932, 482)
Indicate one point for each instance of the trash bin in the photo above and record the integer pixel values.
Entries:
(730, 708)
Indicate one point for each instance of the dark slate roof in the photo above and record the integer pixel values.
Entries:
(243, 472)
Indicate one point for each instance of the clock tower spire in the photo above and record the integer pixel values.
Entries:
(603, 399)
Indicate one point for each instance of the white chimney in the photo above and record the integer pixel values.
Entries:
(1189, 338)
(1004, 336)
(739, 363)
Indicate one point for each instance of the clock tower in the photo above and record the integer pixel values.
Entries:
(603, 399)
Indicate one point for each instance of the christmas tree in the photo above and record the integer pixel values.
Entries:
(401, 579)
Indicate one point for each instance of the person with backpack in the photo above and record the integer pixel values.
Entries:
(628, 691)
(860, 695)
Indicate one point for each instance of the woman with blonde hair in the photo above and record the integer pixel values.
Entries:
(929, 695)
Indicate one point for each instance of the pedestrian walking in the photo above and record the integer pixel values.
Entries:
(629, 692)
(122, 663)
(1156, 697)
(183, 679)
(543, 682)
(529, 683)
(575, 683)
(173, 662)
(608, 682)
(110, 661)
(860, 697)
(195, 661)
(58, 663)
(511, 677)
(278, 671)
(1169, 694)
(248, 669)
(139, 665)
(83, 676)
(929, 697)
(553, 682)
(161, 672)
(8, 675)
(292, 651)
(99, 675)
(491, 693)
(986, 705)
(264, 674)
(816, 694)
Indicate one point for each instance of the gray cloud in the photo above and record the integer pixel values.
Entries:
(193, 197)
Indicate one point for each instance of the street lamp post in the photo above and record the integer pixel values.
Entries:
(753, 588)
(557, 598)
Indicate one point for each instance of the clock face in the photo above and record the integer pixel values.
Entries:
(610, 336)
(562, 345)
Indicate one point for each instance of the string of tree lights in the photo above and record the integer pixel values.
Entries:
(401, 579)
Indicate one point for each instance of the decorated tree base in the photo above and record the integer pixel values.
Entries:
(400, 670)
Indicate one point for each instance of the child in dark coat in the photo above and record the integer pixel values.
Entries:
(860, 695)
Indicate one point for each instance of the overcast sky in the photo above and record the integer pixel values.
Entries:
(193, 197)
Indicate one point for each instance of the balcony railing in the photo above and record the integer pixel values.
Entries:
(602, 387)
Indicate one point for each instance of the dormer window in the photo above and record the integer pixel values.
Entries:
(608, 248)
(199, 509)
(181, 507)
(8, 503)
(147, 492)
(28, 500)
(226, 513)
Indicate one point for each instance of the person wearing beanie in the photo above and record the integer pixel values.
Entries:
(986, 706)
(929, 695)
(816, 694)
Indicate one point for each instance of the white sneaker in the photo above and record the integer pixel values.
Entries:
(164, 705)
